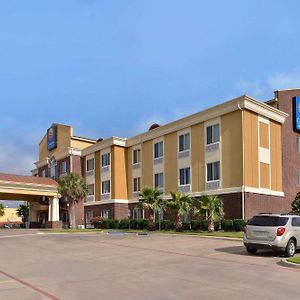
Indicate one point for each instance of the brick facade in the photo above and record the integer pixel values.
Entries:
(290, 157)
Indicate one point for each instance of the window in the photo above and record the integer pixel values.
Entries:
(296, 222)
(106, 214)
(90, 164)
(158, 150)
(105, 160)
(63, 167)
(136, 184)
(268, 221)
(159, 180)
(89, 216)
(136, 156)
(213, 171)
(298, 144)
(184, 142)
(90, 189)
(105, 187)
(52, 167)
(184, 176)
(212, 134)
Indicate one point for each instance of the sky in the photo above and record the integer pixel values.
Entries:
(115, 67)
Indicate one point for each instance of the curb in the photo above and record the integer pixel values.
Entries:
(202, 236)
(285, 263)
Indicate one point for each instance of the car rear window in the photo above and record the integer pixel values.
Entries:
(268, 221)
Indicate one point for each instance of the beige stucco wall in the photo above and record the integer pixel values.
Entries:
(197, 159)
(232, 150)
(250, 134)
(147, 164)
(118, 173)
(170, 160)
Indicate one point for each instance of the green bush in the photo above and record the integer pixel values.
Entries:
(124, 224)
(239, 224)
(114, 224)
(186, 226)
(204, 225)
(167, 225)
(227, 225)
(106, 224)
(139, 224)
(196, 224)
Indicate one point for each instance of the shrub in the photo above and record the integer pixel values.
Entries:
(114, 224)
(151, 226)
(239, 224)
(204, 225)
(227, 225)
(167, 225)
(124, 224)
(218, 225)
(196, 224)
(139, 224)
(186, 226)
(106, 224)
(97, 221)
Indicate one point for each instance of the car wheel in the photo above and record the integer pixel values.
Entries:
(290, 248)
(251, 250)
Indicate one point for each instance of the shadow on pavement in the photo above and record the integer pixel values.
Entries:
(241, 250)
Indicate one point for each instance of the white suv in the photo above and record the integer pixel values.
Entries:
(273, 231)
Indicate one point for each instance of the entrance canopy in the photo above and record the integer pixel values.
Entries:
(26, 188)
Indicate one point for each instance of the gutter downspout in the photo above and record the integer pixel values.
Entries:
(243, 147)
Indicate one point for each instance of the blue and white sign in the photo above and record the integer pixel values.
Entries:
(52, 138)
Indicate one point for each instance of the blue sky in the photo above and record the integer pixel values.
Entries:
(115, 67)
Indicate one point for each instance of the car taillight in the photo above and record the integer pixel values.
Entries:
(280, 231)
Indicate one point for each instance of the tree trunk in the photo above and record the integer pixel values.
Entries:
(211, 225)
(72, 215)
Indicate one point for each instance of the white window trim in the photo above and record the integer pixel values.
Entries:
(109, 187)
(133, 163)
(215, 180)
(211, 125)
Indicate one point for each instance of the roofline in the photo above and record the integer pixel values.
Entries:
(84, 139)
(242, 102)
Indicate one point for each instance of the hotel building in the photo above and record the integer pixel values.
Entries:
(245, 151)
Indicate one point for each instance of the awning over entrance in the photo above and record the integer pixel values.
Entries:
(27, 188)
(32, 189)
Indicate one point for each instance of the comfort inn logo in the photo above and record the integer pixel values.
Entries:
(52, 138)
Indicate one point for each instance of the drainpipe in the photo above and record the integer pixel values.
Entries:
(243, 146)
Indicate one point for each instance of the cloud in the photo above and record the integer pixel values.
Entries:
(16, 160)
(281, 81)
(277, 81)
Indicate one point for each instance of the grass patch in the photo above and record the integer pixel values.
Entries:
(221, 233)
(295, 260)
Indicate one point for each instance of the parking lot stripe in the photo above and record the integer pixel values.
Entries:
(34, 288)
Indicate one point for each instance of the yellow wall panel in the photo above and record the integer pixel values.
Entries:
(129, 172)
(118, 173)
(147, 164)
(232, 149)
(263, 135)
(170, 158)
(264, 175)
(97, 171)
(276, 156)
(250, 135)
(197, 159)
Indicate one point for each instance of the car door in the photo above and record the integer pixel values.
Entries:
(296, 228)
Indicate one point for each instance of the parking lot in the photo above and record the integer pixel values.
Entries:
(117, 266)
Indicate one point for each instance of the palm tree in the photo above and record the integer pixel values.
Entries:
(151, 199)
(212, 206)
(72, 188)
(2, 211)
(23, 212)
(182, 205)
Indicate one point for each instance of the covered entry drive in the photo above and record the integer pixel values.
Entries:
(41, 194)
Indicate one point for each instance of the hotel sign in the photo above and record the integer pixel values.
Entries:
(52, 138)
